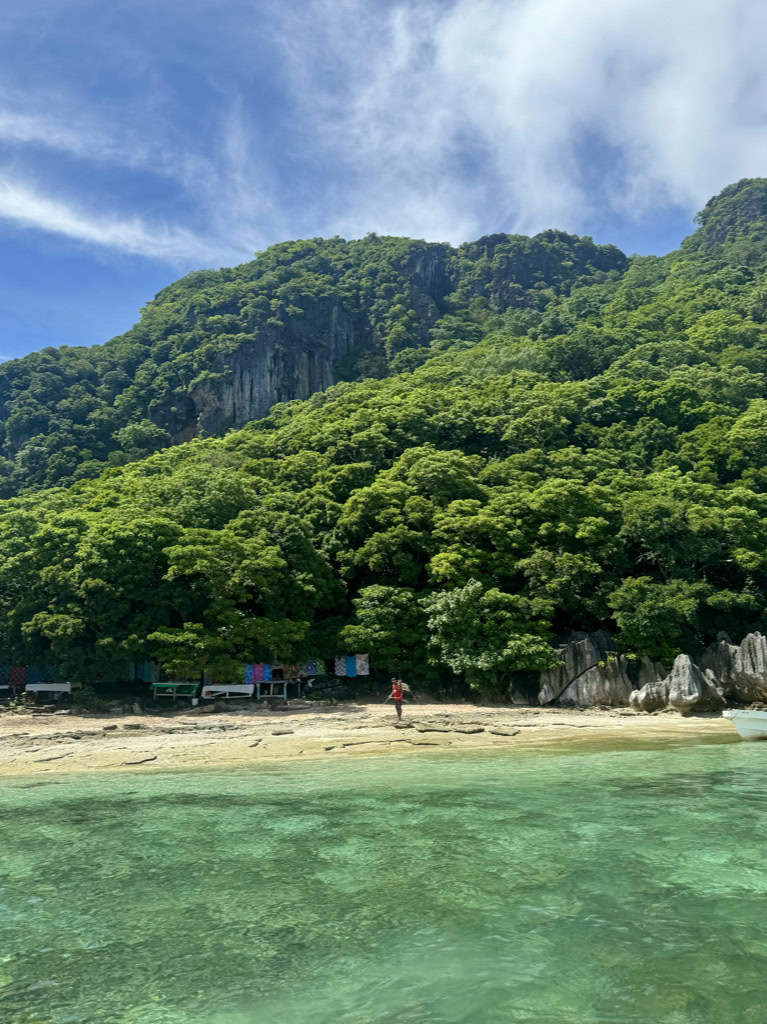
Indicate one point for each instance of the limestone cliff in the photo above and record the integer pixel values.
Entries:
(592, 673)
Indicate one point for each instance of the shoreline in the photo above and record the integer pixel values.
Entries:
(39, 743)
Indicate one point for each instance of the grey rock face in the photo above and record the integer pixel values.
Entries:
(298, 358)
(589, 673)
(688, 687)
(684, 688)
(740, 670)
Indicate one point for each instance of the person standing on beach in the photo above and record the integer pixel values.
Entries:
(397, 696)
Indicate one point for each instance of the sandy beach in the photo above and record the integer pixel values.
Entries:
(175, 739)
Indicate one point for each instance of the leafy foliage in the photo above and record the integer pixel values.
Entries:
(568, 446)
(66, 412)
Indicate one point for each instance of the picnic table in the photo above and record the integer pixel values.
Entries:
(227, 691)
(56, 688)
(175, 689)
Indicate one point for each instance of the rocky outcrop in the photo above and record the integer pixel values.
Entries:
(740, 670)
(684, 688)
(590, 673)
(278, 364)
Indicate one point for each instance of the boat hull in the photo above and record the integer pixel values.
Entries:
(751, 725)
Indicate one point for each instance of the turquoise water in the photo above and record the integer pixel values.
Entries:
(623, 886)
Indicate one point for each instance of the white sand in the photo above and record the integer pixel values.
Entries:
(42, 743)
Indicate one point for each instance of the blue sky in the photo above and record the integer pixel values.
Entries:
(143, 139)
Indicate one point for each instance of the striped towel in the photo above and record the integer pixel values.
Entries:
(340, 665)
(363, 664)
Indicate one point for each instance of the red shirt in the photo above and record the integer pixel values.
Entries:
(396, 691)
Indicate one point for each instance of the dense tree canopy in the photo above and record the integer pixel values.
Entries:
(597, 459)
(66, 412)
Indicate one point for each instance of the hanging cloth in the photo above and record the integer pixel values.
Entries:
(17, 676)
(248, 679)
(258, 672)
(34, 674)
(289, 671)
(351, 666)
(310, 668)
(267, 673)
(340, 665)
(5, 672)
(363, 664)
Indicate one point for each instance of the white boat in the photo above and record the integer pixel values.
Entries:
(751, 725)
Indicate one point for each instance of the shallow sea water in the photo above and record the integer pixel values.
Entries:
(612, 886)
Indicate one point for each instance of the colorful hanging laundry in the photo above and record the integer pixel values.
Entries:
(289, 671)
(258, 672)
(351, 666)
(267, 678)
(340, 665)
(248, 675)
(310, 668)
(17, 676)
(363, 664)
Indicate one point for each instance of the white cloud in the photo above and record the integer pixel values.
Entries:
(571, 107)
(435, 118)
(22, 205)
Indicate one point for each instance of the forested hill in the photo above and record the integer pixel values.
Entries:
(599, 459)
(220, 348)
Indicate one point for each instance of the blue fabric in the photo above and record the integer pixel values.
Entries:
(34, 674)
(351, 666)
(267, 673)
(5, 672)
(248, 674)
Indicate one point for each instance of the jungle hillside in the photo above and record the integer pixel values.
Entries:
(448, 458)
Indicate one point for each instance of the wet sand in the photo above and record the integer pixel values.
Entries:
(168, 740)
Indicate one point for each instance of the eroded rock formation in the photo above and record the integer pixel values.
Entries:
(592, 673)
(684, 688)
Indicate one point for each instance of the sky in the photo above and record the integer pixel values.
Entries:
(143, 139)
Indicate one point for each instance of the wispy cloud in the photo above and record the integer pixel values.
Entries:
(435, 118)
(22, 205)
(485, 113)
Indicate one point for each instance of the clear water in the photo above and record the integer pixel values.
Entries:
(623, 886)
